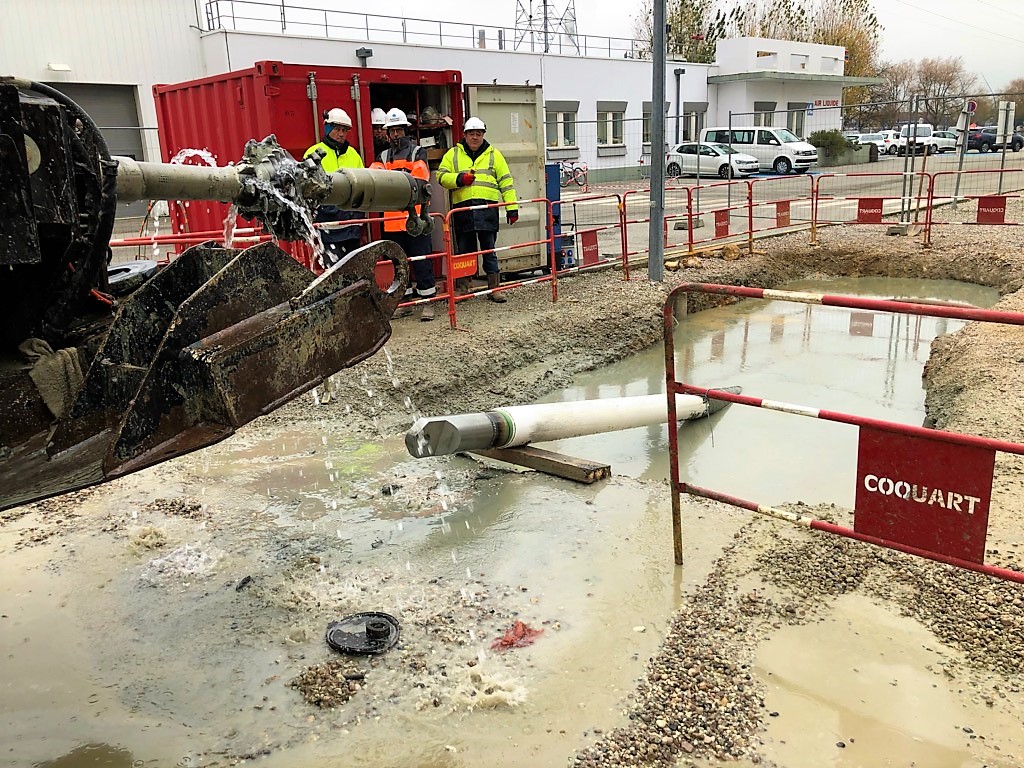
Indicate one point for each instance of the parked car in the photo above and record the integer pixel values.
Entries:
(777, 149)
(892, 141)
(711, 159)
(984, 139)
(919, 132)
(942, 141)
(872, 138)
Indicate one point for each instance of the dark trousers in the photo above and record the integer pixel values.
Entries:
(466, 242)
(422, 270)
(335, 252)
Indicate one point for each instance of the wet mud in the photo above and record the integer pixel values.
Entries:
(171, 616)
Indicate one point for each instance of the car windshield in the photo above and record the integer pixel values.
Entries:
(722, 149)
(786, 135)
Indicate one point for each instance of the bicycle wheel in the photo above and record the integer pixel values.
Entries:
(580, 176)
(564, 178)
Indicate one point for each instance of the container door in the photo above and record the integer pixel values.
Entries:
(514, 115)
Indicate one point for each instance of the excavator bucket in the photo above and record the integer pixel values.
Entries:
(214, 340)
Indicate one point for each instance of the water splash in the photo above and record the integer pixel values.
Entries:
(189, 153)
(229, 225)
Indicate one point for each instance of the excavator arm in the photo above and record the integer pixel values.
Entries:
(92, 388)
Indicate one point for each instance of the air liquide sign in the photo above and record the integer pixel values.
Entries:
(924, 493)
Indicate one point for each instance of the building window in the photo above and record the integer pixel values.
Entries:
(647, 127)
(611, 116)
(692, 125)
(764, 113)
(609, 127)
(560, 129)
(796, 117)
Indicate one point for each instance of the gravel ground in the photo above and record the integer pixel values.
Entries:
(699, 699)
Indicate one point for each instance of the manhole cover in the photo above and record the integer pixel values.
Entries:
(363, 633)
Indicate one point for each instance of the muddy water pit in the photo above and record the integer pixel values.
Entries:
(173, 635)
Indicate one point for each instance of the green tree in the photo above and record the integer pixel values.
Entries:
(694, 27)
(778, 20)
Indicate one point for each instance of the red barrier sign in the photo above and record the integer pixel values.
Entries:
(782, 213)
(588, 247)
(463, 266)
(869, 210)
(992, 210)
(722, 223)
(924, 493)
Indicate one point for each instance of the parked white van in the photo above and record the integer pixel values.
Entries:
(776, 149)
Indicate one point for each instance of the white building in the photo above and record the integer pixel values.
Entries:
(107, 55)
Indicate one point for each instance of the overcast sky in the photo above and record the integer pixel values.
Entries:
(987, 34)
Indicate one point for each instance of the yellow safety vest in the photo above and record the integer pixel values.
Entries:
(493, 178)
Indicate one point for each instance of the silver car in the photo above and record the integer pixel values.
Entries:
(708, 159)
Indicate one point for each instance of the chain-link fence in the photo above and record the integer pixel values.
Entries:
(618, 148)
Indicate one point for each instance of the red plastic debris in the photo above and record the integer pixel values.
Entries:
(519, 635)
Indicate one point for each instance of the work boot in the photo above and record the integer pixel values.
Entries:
(493, 281)
(427, 313)
(403, 312)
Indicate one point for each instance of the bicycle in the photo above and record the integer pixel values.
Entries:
(570, 171)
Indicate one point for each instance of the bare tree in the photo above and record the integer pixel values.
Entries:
(885, 104)
(943, 85)
(1015, 93)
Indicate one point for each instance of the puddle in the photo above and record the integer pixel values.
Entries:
(852, 361)
(868, 680)
(180, 651)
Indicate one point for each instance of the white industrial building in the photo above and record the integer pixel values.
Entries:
(107, 54)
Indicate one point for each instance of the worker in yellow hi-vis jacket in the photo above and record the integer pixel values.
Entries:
(477, 174)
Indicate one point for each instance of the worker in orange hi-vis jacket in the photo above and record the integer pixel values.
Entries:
(404, 154)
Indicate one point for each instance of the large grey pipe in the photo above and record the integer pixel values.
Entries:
(519, 425)
(354, 189)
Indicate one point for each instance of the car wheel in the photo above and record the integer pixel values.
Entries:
(782, 165)
(673, 170)
(723, 171)
(892, 150)
(984, 147)
(1016, 146)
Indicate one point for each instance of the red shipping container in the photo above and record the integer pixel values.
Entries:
(221, 113)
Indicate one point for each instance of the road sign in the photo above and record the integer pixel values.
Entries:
(972, 107)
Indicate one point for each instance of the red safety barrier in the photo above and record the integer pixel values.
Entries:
(627, 221)
(773, 201)
(458, 265)
(922, 491)
(866, 202)
(585, 234)
(737, 197)
(987, 193)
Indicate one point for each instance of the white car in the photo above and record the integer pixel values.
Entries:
(711, 159)
(873, 138)
(942, 141)
(892, 141)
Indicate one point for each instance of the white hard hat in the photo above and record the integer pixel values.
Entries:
(475, 124)
(394, 118)
(377, 116)
(338, 116)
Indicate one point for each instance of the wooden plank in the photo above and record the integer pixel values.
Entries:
(551, 463)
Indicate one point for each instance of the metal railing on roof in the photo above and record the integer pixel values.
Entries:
(282, 18)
